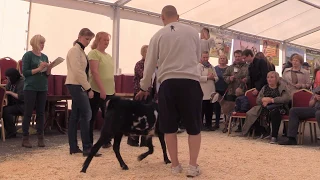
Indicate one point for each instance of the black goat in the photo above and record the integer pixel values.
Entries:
(127, 117)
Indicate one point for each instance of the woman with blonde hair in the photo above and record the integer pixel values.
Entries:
(101, 78)
(80, 91)
(35, 69)
(272, 102)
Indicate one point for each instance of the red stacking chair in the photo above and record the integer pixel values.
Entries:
(127, 84)
(2, 96)
(301, 98)
(6, 63)
(252, 101)
(20, 66)
(118, 82)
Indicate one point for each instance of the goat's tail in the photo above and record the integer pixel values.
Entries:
(92, 153)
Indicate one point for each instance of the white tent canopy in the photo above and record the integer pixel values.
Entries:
(133, 22)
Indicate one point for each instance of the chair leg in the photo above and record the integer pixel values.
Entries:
(240, 119)
(303, 128)
(311, 134)
(3, 131)
(315, 132)
(229, 125)
(299, 133)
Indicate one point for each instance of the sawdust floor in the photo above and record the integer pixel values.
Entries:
(221, 157)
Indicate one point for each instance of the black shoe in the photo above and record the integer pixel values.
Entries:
(225, 130)
(75, 151)
(290, 141)
(210, 128)
(11, 135)
(216, 127)
(86, 153)
(108, 145)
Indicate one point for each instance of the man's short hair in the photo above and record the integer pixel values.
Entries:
(247, 52)
(204, 52)
(237, 52)
(169, 11)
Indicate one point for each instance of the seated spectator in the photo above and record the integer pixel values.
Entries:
(296, 77)
(316, 78)
(208, 77)
(15, 105)
(242, 104)
(259, 116)
(299, 113)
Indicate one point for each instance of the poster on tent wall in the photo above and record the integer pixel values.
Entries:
(291, 49)
(242, 43)
(313, 58)
(271, 50)
(222, 45)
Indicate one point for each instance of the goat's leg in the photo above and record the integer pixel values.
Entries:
(94, 150)
(116, 149)
(150, 149)
(164, 148)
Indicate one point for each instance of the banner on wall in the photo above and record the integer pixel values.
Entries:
(313, 58)
(222, 45)
(242, 43)
(291, 49)
(271, 50)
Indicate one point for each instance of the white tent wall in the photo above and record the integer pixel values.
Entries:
(136, 30)
(60, 21)
(13, 28)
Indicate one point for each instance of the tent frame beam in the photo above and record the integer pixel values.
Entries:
(303, 34)
(309, 3)
(252, 13)
(223, 27)
(121, 2)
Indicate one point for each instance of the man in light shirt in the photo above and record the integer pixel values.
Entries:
(205, 41)
(176, 50)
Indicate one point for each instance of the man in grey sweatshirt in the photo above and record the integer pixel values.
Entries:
(176, 50)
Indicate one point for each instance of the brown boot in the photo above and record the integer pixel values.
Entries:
(25, 142)
(41, 140)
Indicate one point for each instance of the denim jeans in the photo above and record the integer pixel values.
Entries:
(31, 99)
(80, 111)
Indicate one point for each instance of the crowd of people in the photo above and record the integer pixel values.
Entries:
(174, 72)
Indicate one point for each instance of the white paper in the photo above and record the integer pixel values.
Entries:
(54, 64)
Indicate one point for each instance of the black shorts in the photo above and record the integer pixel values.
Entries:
(180, 100)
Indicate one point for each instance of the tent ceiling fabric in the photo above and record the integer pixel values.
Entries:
(285, 21)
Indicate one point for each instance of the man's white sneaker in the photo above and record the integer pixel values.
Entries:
(193, 171)
(177, 169)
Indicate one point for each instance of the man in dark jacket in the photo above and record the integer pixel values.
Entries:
(258, 70)
(15, 105)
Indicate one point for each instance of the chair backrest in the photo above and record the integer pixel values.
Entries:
(301, 98)
(252, 98)
(2, 95)
(6, 63)
(20, 66)
(127, 84)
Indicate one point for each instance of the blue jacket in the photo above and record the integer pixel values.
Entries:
(242, 104)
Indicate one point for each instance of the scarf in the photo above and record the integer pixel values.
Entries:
(206, 64)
